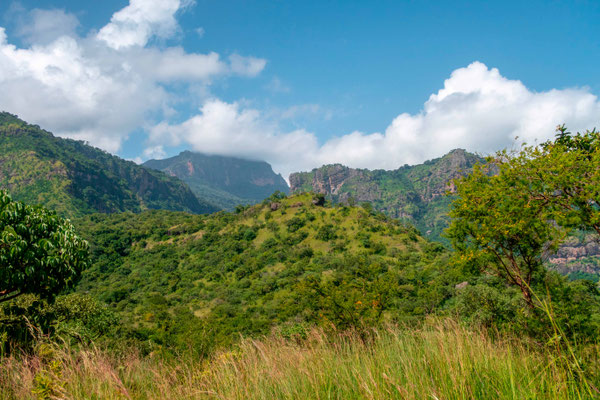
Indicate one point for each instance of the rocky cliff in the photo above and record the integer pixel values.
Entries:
(578, 256)
(415, 192)
(224, 181)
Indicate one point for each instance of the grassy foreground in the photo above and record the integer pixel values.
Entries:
(440, 361)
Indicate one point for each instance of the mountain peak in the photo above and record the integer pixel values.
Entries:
(225, 180)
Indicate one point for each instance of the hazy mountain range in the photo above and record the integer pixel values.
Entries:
(223, 181)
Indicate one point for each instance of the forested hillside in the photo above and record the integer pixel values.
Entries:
(76, 179)
(178, 277)
(224, 181)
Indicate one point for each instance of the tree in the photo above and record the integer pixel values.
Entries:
(39, 252)
(515, 210)
(496, 226)
(566, 176)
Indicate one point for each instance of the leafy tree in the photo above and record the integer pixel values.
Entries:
(514, 211)
(355, 297)
(75, 317)
(497, 227)
(564, 175)
(39, 251)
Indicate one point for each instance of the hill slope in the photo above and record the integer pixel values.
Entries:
(224, 181)
(74, 178)
(284, 261)
(415, 193)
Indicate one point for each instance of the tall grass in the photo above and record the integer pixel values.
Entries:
(439, 361)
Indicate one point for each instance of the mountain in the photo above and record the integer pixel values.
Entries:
(224, 181)
(415, 193)
(578, 257)
(75, 179)
(176, 276)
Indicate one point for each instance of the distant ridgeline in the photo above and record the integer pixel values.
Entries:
(76, 179)
(223, 181)
(415, 193)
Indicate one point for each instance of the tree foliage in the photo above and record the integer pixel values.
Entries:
(514, 211)
(192, 281)
(40, 253)
(566, 176)
(495, 226)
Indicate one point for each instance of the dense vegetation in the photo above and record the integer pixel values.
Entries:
(339, 283)
(439, 361)
(416, 193)
(74, 179)
(508, 223)
(189, 281)
(39, 252)
(422, 195)
(224, 181)
(192, 280)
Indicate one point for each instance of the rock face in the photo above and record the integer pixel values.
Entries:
(578, 256)
(75, 179)
(224, 181)
(328, 179)
(415, 192)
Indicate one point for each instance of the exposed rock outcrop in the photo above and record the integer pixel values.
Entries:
(415, 192)
(225, 181)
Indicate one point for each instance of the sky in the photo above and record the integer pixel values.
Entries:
(369, 84)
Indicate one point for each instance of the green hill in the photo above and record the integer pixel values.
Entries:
(224, 181)
(76, 179)
(414, 193)
(178, 277)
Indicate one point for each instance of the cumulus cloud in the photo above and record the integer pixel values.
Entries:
(135, 24)
(103, 86)
(477, 109)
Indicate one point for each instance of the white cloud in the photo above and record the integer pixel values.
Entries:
(223, 128)
(246, 66)
(44, 26)
(477, 109)
(102, 87)
(155, 152)
(135, 24)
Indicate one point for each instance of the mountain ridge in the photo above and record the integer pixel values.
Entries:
(415, 193)
(74, 178)
(224, 180)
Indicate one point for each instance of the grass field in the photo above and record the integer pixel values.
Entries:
(439, 361)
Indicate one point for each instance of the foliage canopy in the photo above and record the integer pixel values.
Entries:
(514, 211)
(40, 253)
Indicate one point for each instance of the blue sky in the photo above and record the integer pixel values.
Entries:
(331, 78)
